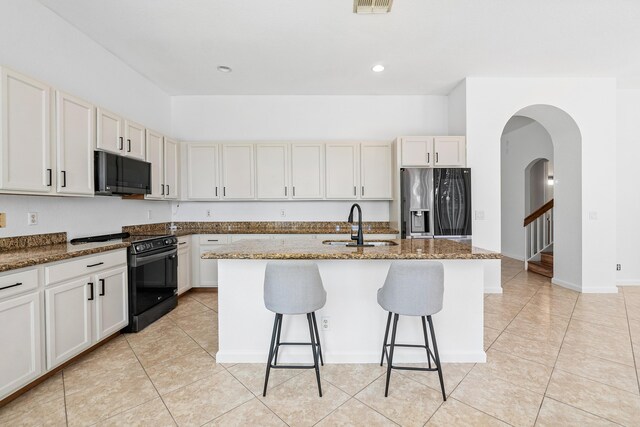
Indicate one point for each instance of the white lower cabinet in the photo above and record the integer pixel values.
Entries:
(21, 337)
(184, 264)
(111, 302)
(205, 272)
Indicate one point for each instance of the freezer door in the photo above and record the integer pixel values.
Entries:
(452, 201)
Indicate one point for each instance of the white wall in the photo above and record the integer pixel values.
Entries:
(458, 109)
(38, 43)
(628, 200)
(518, 149)
(592, 104)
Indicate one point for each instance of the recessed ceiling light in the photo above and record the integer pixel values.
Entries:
(224, 69)
(378, 68)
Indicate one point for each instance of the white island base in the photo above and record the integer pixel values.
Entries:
(356, 322)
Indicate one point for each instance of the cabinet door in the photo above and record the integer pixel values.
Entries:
(75, 139)
(272, 172)
(134, 135)
(449, 151)
(417, 151)
(68, 309)
(238, 171)
(21, 338)
(155, 156)
(111, 302)
(307, 171)
(342, 171)
(202, 172)
(25, 139)
(170, 169)
(375, 171)
(109, 135)
(184, 267)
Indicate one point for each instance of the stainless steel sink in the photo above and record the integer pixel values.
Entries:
(353, 243)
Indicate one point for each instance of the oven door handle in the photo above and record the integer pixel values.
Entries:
(140, 260)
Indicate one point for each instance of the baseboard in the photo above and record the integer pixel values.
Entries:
(592, 290)
(514, 256)
(628, 283)
(567, 285)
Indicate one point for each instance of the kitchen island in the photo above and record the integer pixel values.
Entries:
(351, 323)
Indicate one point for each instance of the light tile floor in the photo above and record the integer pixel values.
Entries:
(555, 358)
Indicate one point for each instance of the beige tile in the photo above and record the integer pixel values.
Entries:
(251, 413)
(553, 305)
(47, 413)
(409, 403)
(554, 413)
(455, 413)
(186, 307)
(536, 351)
(495, 304)
(351, 378)
(150, 413)
(252, 376)
(297, 402)
(607, 343)
(607, 310)
(508, 299)
(183, 370)
(203, 328)
(498, 321)
(550, 332)
(151, 332)
(490, 335)
(206, 399)
(557, 291)
(452, 374)
(531, 375)
(501, 399)
(355, 413)
(597, 369)
(172, 343)
(210, 299)
(531, 314)
(599, 399)
(109, 395)
(632, 304)
(51, 389)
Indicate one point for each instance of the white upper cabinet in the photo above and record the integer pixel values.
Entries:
(203, 172)
(375, 171)
(417, 151)
(307, 171)
(134, 135)
(111, 302)
(75, 136)
(272, 171)
(110, 134)
(449, 151)
(170, 168)
(155, 156)
(342, 171)
(238, 180)
(25, 134)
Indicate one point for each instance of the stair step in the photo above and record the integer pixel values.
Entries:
(547, 258)
(540, 268)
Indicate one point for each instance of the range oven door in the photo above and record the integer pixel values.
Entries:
(153, 277)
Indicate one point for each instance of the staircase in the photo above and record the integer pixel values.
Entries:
(543, 267)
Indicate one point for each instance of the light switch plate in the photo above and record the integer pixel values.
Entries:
(3, 219)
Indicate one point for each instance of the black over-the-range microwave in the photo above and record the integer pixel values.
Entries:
(116, 174)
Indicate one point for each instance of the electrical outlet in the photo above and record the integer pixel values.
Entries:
(282, 213)
(480, 215)
(325, 325)
(208, 213)
(3, 219)
(618, 267)
(32, 218)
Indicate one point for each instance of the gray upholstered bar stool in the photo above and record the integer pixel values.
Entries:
(412, 289)
(293, 288)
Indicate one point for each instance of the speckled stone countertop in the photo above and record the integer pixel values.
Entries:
(45, 248)
(315, 249)
(258, 227)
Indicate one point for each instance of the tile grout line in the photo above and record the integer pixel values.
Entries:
(64, 396)
(633, 352)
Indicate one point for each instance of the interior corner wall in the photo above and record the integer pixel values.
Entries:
(628, 200)
(38, 43)
(518, 149)
(458, 109)
(591, 102)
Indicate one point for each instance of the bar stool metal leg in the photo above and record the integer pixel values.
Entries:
(390, 359)
(315, 327)
(386, 336)
(315, 354)
(426, 339)
(273, 340)
(437, 357)
(275, 358)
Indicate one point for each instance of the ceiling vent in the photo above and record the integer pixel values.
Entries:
(372, 6)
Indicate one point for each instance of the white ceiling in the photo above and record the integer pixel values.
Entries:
(294, 47)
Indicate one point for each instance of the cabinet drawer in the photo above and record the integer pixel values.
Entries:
(17, 283)
(213, 239)
(83, 266)
(184, 242)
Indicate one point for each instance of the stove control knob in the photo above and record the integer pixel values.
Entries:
(139, 248)
(167, 241)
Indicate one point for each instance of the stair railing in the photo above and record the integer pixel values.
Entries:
(538, 231)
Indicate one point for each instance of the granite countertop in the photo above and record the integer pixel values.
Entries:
(315, 249)
(30, 256)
